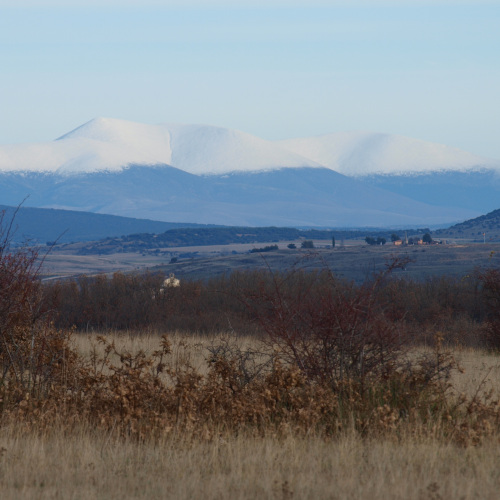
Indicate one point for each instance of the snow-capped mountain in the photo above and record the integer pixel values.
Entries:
(362, 154)
(105, 144)
(424, 171)
(205, 174)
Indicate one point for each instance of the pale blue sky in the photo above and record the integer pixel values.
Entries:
(277, 69)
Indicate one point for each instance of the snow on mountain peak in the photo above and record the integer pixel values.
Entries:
(363, 153)
(113, 130)
(106, 144)
(111, 145)
(202, 149)
(101, 144)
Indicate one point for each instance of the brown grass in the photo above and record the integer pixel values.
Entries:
(417, 461)
(481, 373)
(186, 349)
(480, 368)
(92, 466)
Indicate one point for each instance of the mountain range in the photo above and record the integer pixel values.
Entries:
(211, 175)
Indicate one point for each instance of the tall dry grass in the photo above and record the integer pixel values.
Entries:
(87, 465)
(417, 461)
(479, 373)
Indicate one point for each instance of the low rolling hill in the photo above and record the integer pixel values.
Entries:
(42, 225)
(485, 228)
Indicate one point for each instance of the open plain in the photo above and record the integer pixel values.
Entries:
(354, 260)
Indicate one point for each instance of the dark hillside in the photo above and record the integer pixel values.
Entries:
(483, 228)
(42, 225)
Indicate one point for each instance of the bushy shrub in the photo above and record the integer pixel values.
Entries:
(329, 329)
(32, 352)
(307, 244)
(490, 280)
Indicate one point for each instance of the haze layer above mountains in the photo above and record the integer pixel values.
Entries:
(205, 174)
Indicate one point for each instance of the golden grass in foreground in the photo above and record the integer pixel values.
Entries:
(481, 369)
(411, 459)
(91, 465)
(186, 348)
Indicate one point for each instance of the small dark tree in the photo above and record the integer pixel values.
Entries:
(395, 237)
(291, 246)
(333, 241)
(307, 244)
(427, 238)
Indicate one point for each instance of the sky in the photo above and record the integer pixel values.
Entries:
(277, 69)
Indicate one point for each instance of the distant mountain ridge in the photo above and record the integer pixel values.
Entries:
(111, 145)
(42, 225)
(212, 175)
(361, 154)
(291, 197)
(430, 173)
(117, 234)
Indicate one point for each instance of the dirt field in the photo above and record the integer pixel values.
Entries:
(354, 261)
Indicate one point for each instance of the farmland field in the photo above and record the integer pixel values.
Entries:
(355, 260)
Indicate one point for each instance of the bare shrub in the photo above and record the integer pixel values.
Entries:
(330, 329)
(490, 280)
(239, 365)
(32, 353)
(456, 307)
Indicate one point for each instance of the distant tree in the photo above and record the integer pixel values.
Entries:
(307, 244)
(375, 241)
(291, 246)
(427, 238)
(269, 248)
(333, 241)
(395, 237)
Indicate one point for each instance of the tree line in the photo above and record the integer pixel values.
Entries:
(183, 237)
(460, 308)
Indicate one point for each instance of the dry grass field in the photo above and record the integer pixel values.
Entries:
(413, 460)
(94, 465)
(479, 371)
